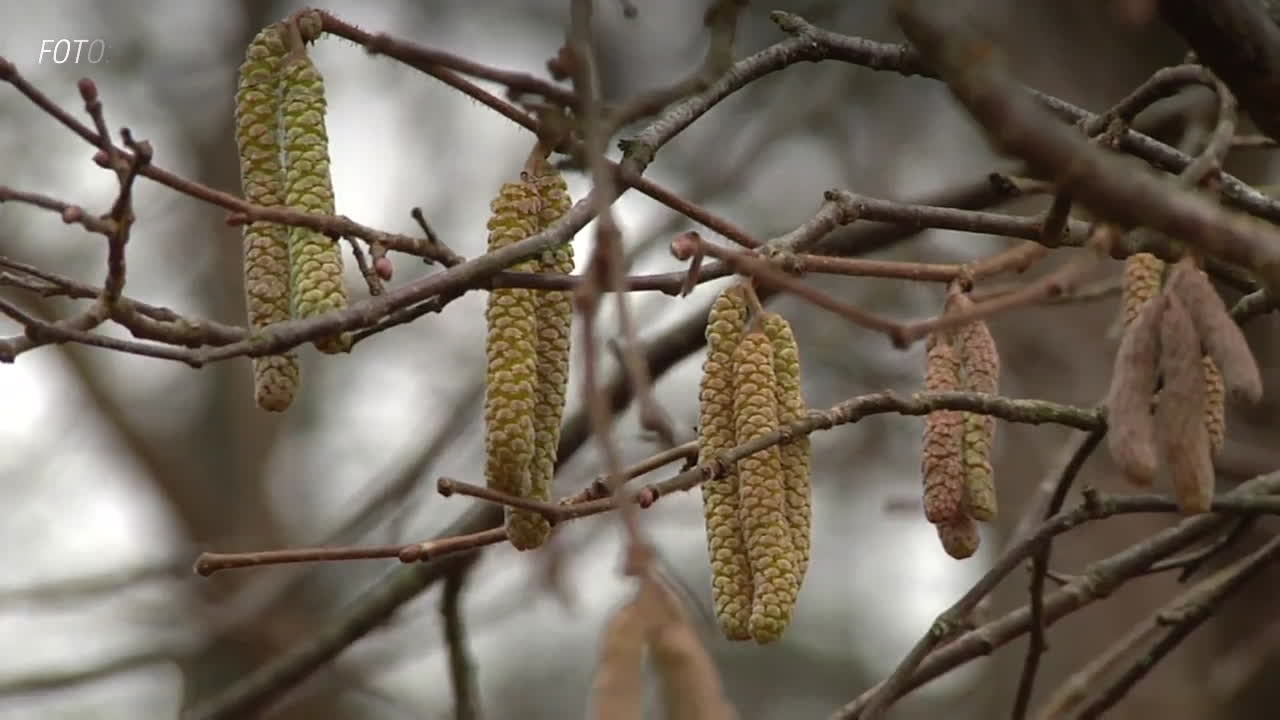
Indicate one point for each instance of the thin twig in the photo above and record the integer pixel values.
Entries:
(462, 669)
(1036, 644)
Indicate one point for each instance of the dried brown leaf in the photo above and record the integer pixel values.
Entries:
(691, 686)
(617, 689)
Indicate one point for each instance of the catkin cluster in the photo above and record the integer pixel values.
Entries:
(284, 162)
(955, 462)
(758, 511)
(1143, 279)
(527, 349)
(1179, 332)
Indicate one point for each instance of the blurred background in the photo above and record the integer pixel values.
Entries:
(116, 470)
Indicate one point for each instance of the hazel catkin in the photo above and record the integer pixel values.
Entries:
(1130, 428)
(942, 461)
(266, 246)
(763, 495)
(511, 365)
(959, 536)
(314, 258)
(1220, 334)
(553, 316)
(979, 366)
(731, 582)
(794, 453)
(1215, 401)
(1180, 426)
(1142, 279)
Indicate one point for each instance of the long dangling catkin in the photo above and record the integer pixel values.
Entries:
(1130, 430)
(979, 361)
(553, 315)
(794, 453)
(1143, 276)
(1180, 412)
(1143, 279)
(266, 245)
(763, 495)
(512, 363)
(1219, 333)
(315, 260)
(941, 460)
(731, 584)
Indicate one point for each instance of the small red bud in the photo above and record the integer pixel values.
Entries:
(382, 266)
(88, 90)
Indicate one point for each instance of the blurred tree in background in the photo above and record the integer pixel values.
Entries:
(118, 470)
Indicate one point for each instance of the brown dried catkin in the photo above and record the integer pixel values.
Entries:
(1220, 334)
(1131, 432)
(959, 536)
(942, 457)
(731, 582)
(1180, 412)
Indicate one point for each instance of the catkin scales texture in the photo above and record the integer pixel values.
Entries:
(979, 369)
(511, 369)
(959, 536)
(763, 494)
(553, 316)
(266, 247)
(1215, 405)
(794, 453)
(731, 582)
(314, 258)
(1143, 276)
(942, 457)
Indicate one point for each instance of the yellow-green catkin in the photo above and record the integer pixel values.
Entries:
(512, 364)
(1143, 277)
(763, 495)
(266, 246)
(979, 362)
(553, 318)
(794, 453)
(314, 258)
(1215, 410)
(731, 583)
